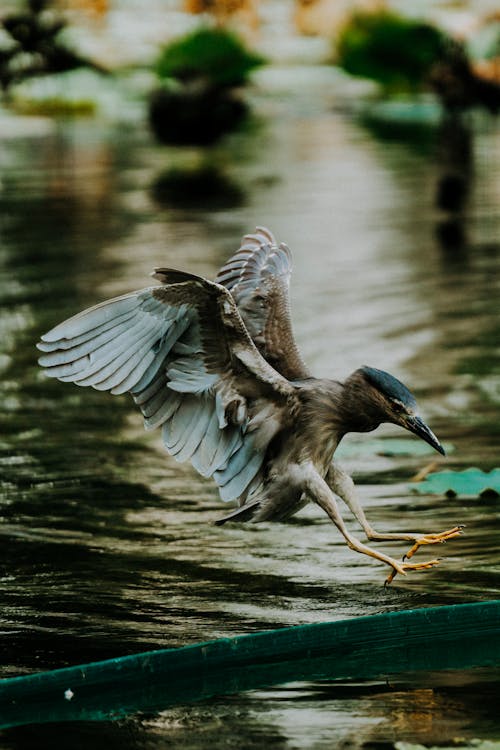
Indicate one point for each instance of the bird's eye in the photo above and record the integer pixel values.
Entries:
(397, 406)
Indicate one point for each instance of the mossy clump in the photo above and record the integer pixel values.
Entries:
(215, 55)
(54, 107)
(198, 102)
(396, 52)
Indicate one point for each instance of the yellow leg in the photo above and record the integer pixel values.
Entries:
(318, 489)
(434, 539)
(342, 484)
(409, 566)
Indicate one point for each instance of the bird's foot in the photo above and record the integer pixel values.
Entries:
(402, 568)
(434, 539)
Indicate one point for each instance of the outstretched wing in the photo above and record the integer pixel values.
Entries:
(258, 277)
(183, 352)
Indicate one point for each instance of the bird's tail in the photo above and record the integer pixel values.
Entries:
(240, 515)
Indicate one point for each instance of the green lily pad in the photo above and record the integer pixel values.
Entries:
(388, 447)
(475, 744)
(472, 482)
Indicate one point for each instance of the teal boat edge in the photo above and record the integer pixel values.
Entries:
(460, 636)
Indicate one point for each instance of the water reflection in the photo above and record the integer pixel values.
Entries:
(202, 186)
(362, 716)
(108, 545)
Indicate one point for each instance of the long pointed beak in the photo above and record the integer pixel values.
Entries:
(418, 427)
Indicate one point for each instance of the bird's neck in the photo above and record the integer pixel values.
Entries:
(317, 426)
(356, 412)
(331, 410)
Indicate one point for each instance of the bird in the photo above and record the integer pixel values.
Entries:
(216, 366)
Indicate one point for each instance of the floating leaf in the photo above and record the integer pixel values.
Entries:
(388, 447)
(475, 744)
(468, 482)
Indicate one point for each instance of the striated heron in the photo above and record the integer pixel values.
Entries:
(216, 366)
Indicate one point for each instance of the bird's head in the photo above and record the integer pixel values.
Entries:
(381, 397)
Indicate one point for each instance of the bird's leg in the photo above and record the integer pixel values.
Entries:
(440, 538)
(319, 491)
(343, 486)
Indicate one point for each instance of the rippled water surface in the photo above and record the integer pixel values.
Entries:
(108, 545)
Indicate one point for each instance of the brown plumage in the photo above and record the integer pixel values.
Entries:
(216, 366)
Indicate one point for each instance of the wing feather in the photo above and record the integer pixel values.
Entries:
(89, 335)
(92, 318)
(258, 277)
(241, 469)
(181, 425)
(216, 447)
(182, 350)
(168, 406)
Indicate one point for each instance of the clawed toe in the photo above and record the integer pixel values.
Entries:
(440, 538)
(404, 567)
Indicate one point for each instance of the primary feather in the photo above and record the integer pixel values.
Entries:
(183, 352)
(258, 277)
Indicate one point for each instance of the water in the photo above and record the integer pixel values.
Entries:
(109, 546)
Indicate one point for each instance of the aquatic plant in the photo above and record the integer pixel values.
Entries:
(213, 55)
(404, 55)
(395, 51)
(197, 103)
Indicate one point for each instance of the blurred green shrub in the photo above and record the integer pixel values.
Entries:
(197, 103)
(396, 52)
(213, 54)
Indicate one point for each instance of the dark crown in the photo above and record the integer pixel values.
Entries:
(390, 386)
